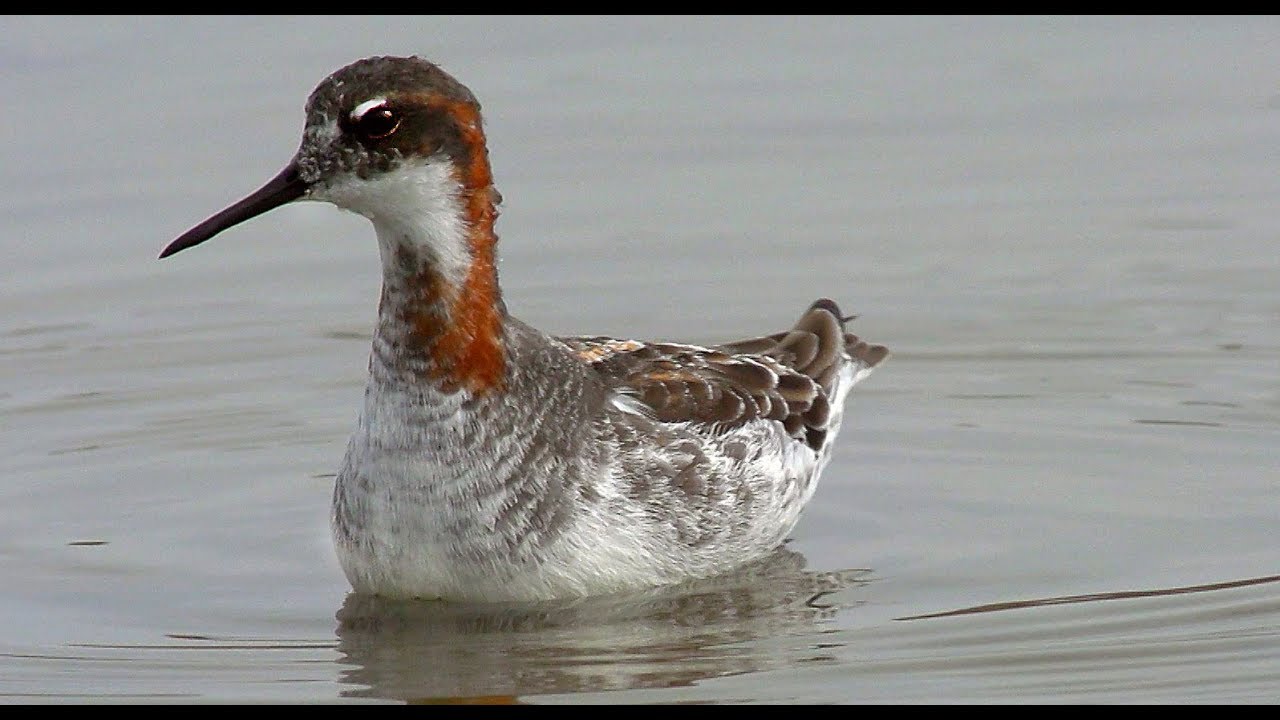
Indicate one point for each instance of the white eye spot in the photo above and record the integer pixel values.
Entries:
(365, 107)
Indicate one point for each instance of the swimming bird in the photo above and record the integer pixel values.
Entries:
(494, 462)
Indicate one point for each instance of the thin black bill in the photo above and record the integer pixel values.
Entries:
(283, 188)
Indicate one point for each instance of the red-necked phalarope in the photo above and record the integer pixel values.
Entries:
(494, 462)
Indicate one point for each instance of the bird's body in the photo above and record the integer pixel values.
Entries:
(495, 462)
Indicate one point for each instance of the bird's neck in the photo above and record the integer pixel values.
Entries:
(440, 316)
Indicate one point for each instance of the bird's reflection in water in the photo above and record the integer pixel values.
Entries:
(423, 651)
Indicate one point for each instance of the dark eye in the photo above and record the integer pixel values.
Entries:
(375, 123)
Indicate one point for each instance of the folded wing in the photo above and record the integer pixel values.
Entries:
(790, 377)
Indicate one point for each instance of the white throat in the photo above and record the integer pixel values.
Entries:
(416, 207)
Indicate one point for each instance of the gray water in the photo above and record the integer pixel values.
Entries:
(1062, 487)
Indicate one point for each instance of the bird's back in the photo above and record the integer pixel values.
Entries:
(796, 377)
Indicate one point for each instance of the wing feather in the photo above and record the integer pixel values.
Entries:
(787, 376)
